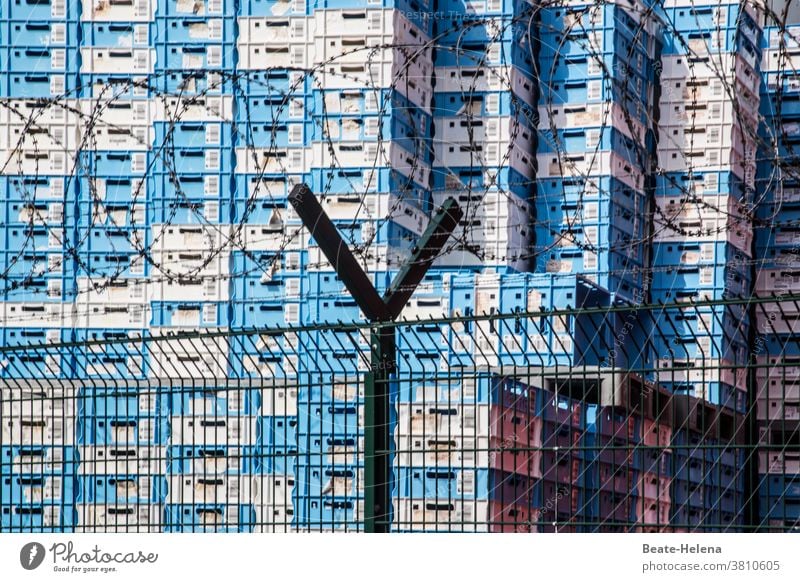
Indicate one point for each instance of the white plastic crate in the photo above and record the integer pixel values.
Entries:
(704, 115)
(110, 112)
(777, 281)
(701, 68)
(278, 400)
(111, 315)
(441, 419)
(120, 137)
(30, 161)
(273, 519)
(202, 108)
(48, 315)
(609, 114)
(591, 164)
(273, 490)
(214, 430)
(175, 361)
(118, 517)
(103, 11)
(274, 161)
(700, 159)
(38, 430)
(41, 113)
(778, 318)
(122, 459)
(689, 136)
(191, 262)
(700, 370)
(786, 462)
(776, 373)
(779, 409)
(139, 61)
(273, 30)
(432, 450)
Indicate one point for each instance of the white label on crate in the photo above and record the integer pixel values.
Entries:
(141, 8)
(212, 160)
(210, 314)
(141, 61)
(141, 34)
(213, 134)
(58, 8)
(594, 89)
(214, 56)
(138, 163)
(58, 59)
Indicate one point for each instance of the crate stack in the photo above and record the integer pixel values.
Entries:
(272, 103)
(110, 189)
(121, 435)
(191, 175)
(39, 58)
(708, 121)
(485, 131)
(777, 382)
(707, 467)
(211, 459)
(596, 67)
(38, 459)
(467, 456)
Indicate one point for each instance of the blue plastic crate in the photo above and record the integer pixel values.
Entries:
(327, 513)
(20, 59)
(322, 481)
(277, 431)
(338, 419)
(453, 482)
(787, 508)
(175, 9)
(188, 134)
(112, 265)
(273, 82)
(193, 160)
(293, 134)
(258, 314)
(197, 82)
(55, 33)
(786, 486)
(281, 107)
(37, 85)
(37, 517)
(117, 34)
(208, 517)
(688, 493)
(275, 461)
(36, 365)
(123, 489)
(185, 29)
(163, 312)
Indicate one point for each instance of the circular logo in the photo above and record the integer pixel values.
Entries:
(31, 555)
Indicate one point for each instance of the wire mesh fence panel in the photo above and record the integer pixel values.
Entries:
(521, 422)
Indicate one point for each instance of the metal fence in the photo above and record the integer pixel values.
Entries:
(546, 421)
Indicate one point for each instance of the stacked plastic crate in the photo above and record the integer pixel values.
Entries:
(192, 173)
(485, 130)
(109, 189)
(702, 239)
(273, 153)
(595, 113)
(467, 457)
(39, 61)
(777, 385)
(38, 459)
